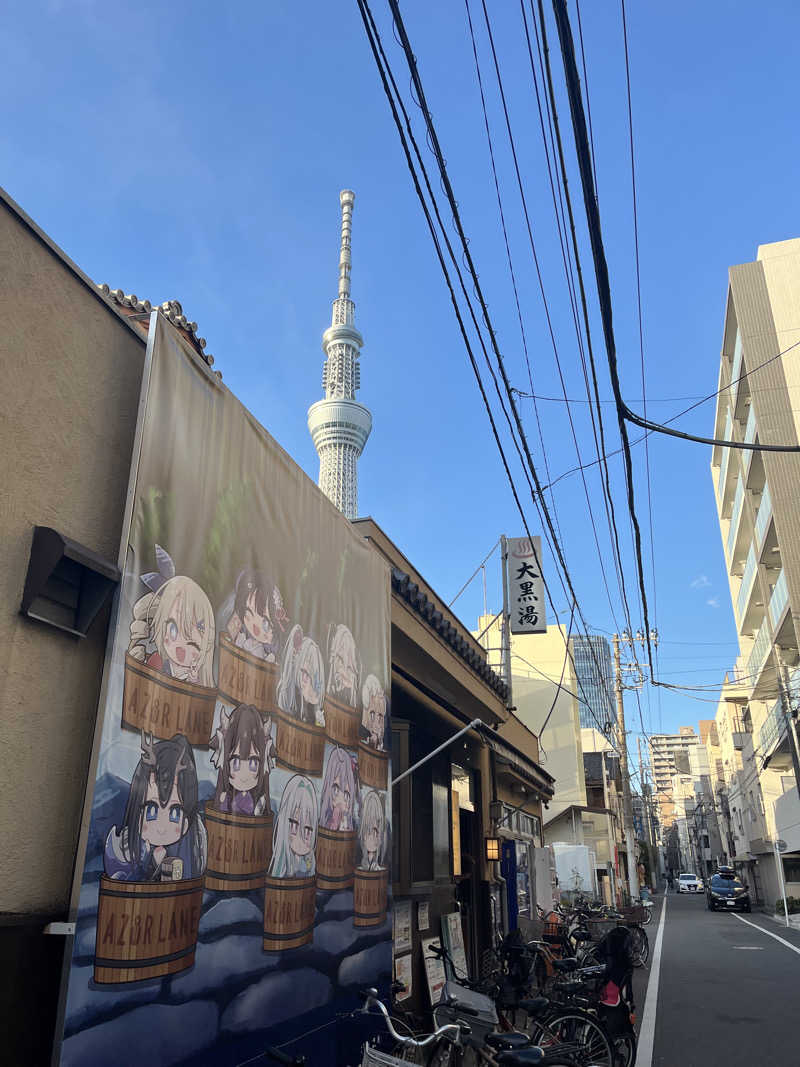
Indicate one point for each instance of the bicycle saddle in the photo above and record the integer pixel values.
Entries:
(534, 1007)
(509, 1041)
(581, 935)
(565, 966)
(524, 1057)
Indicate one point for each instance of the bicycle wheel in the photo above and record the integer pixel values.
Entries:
(624, 1050)
(575, 1028)
(648, 917)
(640, 946)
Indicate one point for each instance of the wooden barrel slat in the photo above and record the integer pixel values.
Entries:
(373, 766)
(289, 912)
(245, 678)
(341, 722)
(370, 895)
(164, 706)
(145, 929)
(336, 858)
(299, 746)
(239, 849)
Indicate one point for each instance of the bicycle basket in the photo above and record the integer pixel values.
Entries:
(598, 928)
(373, 1057)
(481, 1024)
(634, 914)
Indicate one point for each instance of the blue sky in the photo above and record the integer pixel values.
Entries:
(196, 151)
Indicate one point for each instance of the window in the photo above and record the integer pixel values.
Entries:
(787, 782)
(791, 869)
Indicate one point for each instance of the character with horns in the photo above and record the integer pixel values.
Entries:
(161, 836)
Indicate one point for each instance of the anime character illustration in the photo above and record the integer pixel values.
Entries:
(173, 625)
(339, 791)
(372, 832)
(242, 751)
(344, 666)
(161, 837)
(295, 834)
(301, 686)
(257, 618)
(373, 715)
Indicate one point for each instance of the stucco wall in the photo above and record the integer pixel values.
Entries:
(71, 374)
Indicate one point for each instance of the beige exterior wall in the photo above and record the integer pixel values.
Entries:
(71, 376)
(536, 664)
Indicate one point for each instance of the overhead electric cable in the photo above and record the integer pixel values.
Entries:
(386, 75)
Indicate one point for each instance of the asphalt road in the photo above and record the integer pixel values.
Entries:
(726, 989)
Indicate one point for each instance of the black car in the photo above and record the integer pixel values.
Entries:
(727, 893)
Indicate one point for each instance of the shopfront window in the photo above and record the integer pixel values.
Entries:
(524, 887)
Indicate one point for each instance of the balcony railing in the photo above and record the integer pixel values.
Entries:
(759, 652)
(772, 730)
(779, 599)
(736, 370)
(736, 514)
(726, 457)
(764, 515)
(750, 428)
(746, 588)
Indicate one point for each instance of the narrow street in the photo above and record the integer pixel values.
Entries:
(723, 985)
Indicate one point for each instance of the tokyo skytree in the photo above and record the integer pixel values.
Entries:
(339, 425)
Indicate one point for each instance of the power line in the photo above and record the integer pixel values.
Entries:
(386, 76)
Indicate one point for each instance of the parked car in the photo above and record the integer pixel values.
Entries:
(727, 893)
(690, 883)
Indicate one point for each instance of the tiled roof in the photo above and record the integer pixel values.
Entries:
(129, 304)
(419, 602)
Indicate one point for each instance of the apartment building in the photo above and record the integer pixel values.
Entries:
(663, 751)
(759, 515)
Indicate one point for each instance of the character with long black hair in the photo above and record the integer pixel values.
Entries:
(162, 836)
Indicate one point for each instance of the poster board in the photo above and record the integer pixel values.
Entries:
(227, 894)
(402, 927)
(453, 937)
(434, 970)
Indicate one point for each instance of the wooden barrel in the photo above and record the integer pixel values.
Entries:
(370, 894)
(145, 929)
(336, 858)
(164, 706)
(239, 849)
(373, 766)
(300, 746)
(341, 722)
(245, 678)
(289, 909)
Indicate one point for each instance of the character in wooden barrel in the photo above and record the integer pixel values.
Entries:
(371, 881)
(257, 618)
(290, 893)
(151, 894)
(242, 750)
(162, 836)
(173, 625)
(300, 694)
(373, 757)
(336, 840)
(169, 680)
(239, 820)
(344, 686)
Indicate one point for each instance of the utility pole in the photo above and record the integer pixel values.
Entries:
(788, 718)
(627, 803)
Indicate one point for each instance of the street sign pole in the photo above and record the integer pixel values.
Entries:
(779, 865)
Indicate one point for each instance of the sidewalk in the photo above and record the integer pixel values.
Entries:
(794, 920)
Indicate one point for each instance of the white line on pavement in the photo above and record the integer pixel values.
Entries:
(647, 1033)
(769, 933)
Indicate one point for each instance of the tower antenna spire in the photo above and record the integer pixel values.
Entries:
(338, 424)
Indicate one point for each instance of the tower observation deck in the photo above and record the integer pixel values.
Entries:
(339, 425)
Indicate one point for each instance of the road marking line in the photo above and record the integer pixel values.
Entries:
(647, 1033)
(769, 933)
(748, 948)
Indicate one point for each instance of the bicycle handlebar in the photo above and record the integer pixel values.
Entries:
(450, 1030)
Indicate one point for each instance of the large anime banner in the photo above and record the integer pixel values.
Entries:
(234, 886)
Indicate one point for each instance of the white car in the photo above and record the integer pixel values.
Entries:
(690, 883)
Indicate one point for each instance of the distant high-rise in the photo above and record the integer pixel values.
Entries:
(339, 425)
(669, 756)
(592, 655)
